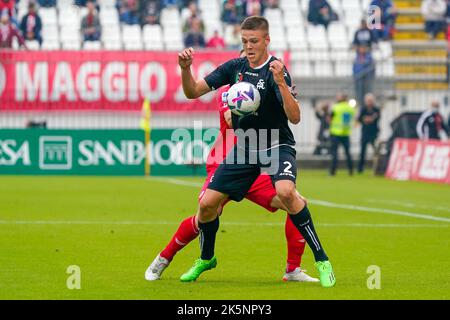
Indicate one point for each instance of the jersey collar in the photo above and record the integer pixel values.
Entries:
(262, 66)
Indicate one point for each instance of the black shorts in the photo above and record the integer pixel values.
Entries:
(234, 177)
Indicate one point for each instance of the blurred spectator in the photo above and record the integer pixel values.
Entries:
(387, 19)
(188, 12)
(216, 41)
(434, 12)
(47, 3)
(194, 20)
(170, 3)
(320, 12)
(273, 4)
(80, 3)
(323, 114)
(31, 25)
(233, 38)
(342, 115)
(431, 123)
(364, 36)
(185, 3)
(129, 11)
(233, 11)
(368, 118)
(150, 10)
(253, 8)
(7, 7)
(194, 37)
(363, 73)
(90, 24)
(8, 32)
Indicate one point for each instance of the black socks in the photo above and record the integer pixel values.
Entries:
(208, 232)
(304, 224)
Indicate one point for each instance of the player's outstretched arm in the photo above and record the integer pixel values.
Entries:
(192, 88)
(290, 104)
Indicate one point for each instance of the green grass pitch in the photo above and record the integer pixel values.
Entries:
(112, 228)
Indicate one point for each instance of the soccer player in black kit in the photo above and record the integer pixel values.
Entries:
(274, 141)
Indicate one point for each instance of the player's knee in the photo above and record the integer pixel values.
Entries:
(287, 194)
(207, 208)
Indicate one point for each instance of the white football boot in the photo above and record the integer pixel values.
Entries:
(298, 275)
(155, 270)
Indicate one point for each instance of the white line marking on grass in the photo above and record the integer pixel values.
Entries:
(239, 224)
(379, 210)
(331, 204)
(409, 204)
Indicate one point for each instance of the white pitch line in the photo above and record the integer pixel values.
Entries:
(330, 204)
(239, 224)
(409, 204)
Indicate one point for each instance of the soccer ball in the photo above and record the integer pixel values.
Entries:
(243, 98)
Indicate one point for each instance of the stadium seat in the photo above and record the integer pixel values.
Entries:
(50, 45)
(385, 68)
(317, 37)
(112, 44)
(132, 37)
(351, 6)
(48, 16)
(289, 5)
(69, 16)
(343, 69)
(304, 6)
(293, 18)
(172, 35)
(63, 4)
(50, 33)
(296, 37)
(92, 45)
(323, 69)
(152, 36)
(107, 4)
(352, 19)
(278, 38)
(302, 68)
(170, 17)
(71, 45)
(337, 33)
(275, 17)
(32, 44)
(386, 49)
(109, 16)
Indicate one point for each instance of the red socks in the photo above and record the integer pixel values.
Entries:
(295, 245)
(187, 231)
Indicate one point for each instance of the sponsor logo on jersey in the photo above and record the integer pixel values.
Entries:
(261, 85)
(252, 74)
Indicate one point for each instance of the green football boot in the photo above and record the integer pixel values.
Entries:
(327, 278)
(198, 268)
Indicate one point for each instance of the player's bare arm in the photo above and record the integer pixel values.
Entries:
(191, 87)
(227, 118)
(290, 104)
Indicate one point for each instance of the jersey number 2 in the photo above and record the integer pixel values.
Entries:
(288, 167)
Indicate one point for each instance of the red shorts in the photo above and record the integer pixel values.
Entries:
(261, 192)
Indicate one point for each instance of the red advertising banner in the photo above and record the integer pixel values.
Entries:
(420, 160)
(101, 80)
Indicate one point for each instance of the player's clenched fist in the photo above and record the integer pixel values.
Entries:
(185, 58)
(277, 68)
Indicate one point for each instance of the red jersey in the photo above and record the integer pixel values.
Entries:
(225, 140)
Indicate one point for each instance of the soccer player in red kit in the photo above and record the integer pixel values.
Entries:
(262, 193)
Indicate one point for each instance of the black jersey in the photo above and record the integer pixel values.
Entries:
(271, 114)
